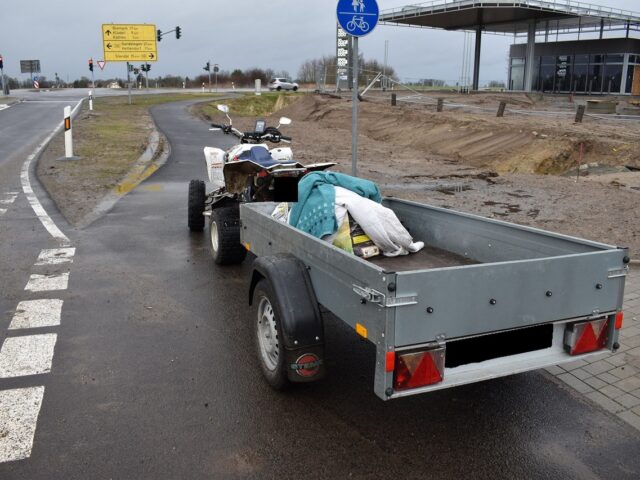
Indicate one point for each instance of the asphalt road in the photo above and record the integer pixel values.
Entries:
(154, 373)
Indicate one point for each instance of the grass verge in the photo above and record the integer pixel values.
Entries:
(109, 140)
(249, 105)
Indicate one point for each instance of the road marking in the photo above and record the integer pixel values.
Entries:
(19, 409)
(28, 355)
(3, 211)
(10, 198)
(55, 256)
(37, 314)
(3, 106)
(40, 212)
(46, 283)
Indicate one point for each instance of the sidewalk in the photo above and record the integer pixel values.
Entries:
(613, 381)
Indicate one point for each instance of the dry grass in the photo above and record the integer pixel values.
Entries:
(249, 105)
(109, 140)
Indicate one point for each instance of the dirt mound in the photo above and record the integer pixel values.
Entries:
(514, 144)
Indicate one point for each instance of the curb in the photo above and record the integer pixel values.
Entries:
(154, 157)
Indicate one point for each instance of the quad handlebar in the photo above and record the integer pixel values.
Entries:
(271, 134)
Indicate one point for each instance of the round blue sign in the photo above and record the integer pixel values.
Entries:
(358, 17)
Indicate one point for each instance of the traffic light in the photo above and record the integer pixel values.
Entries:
(178, 32)
(159, 34)
(91, 64)
(1, 62)
(207, 67)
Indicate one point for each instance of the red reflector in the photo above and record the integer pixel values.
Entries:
(619, 318)
(584, 337)
(417, 369)
(390, 364)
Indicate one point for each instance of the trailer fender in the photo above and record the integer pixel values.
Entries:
(300, 318)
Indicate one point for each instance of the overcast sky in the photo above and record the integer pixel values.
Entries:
(279, 34)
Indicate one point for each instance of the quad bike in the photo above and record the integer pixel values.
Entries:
(247, 172)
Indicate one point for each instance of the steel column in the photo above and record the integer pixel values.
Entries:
(476, 59)
(530, 57)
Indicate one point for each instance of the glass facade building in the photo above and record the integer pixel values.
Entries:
(605, 66)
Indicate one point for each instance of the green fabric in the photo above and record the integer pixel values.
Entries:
(314, 213)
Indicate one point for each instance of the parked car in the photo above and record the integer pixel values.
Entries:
(282, 84)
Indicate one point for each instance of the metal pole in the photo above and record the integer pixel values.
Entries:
(209, 72)
(129, 82)
(384, 68)
(354, 111)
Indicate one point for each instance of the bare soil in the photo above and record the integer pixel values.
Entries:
(475, 162)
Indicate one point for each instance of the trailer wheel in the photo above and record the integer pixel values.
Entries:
(224, 236)
(268, 336)
(197, 196)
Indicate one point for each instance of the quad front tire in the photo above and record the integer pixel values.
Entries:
(224, 236)
(197, 196)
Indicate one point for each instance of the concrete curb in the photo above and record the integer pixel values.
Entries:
(154, 157)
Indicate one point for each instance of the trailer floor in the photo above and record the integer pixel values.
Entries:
(427, 258)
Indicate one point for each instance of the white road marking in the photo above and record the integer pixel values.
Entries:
(56, 256)
(3, 106)
(28, 355)
(19, 409)
(46, 283)
(40, 212)
(36, 314)
(8, 200)
(3, 211)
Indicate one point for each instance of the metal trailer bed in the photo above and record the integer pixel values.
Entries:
(477, 287)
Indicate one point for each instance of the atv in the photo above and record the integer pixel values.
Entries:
(247, 172)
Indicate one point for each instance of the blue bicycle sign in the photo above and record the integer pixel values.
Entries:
(358, 17)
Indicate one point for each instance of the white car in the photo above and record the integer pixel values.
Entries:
(282, 84)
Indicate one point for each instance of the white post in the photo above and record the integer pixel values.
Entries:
(202, 87)
(68, 139)
(90, 100)
(258, 86)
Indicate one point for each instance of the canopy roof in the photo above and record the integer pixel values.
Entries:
(511, 17)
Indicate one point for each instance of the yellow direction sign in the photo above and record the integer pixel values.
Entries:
(129, 42)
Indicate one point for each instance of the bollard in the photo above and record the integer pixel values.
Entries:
(258, 86)
(90, 100)
(202, 87)
(68, 139)
(580, 113)
(440, 105)
(394, 99)
(501, 108)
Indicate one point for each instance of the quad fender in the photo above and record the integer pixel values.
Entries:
(301, 321)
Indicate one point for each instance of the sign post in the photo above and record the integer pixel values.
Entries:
(358, 18)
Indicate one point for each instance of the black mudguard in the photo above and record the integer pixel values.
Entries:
(301, 321)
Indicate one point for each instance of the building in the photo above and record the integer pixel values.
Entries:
(559, 52)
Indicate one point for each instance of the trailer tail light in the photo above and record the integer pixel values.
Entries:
(585, 337)
(418, 369)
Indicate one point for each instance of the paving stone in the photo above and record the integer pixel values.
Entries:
(636, 410)
(605, 402)
(618, 360)
(623, 372)
(575, 383)
(581, 373)
(628, 400)
(631, 418)
(573, 365)
(555, 370)
(611, 391)
(595, 382)
(629, 384)
(599, 367)
(629, 330)
(607, 377)
(632, 342)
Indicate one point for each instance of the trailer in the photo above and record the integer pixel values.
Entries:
(484, 299)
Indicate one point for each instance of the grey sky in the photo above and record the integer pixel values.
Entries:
(279, 34)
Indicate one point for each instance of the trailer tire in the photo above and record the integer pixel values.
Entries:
(197, 196)
(224, 236)
(267, 324)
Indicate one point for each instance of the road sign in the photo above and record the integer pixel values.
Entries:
(129, 42)
(358, 17)
(30, 66)
(101, 64)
